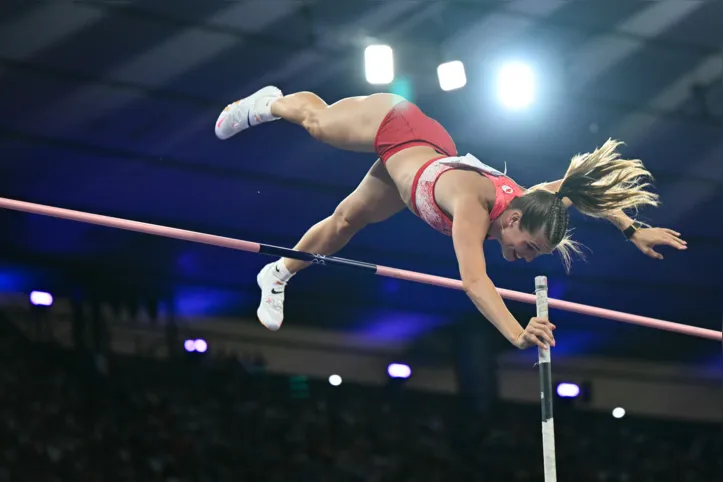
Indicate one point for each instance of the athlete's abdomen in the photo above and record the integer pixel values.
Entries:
(403, 167)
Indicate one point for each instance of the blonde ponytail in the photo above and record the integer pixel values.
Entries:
(600, 182)
(596, 183)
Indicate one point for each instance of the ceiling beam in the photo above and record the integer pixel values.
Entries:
(239, 172)
(340, 49)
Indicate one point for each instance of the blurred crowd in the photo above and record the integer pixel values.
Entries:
(201, 420)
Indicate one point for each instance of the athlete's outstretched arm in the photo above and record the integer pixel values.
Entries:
(645, 239)
(471, 223)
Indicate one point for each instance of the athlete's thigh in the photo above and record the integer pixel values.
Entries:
(352, 123)
(375, 199)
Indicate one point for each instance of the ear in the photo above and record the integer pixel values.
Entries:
(513, 218)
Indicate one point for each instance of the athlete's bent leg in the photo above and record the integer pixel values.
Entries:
(350, 124)
(374, 200)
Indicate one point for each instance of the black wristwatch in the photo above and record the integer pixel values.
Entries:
(632, 229)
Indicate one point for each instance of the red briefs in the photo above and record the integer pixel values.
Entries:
(407, 126)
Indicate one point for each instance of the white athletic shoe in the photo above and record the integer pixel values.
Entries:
(250, 111)
(272, 280)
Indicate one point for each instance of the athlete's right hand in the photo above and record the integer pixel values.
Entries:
(537, 332)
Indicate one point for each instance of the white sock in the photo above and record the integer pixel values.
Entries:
(281, 271)
(264, 110)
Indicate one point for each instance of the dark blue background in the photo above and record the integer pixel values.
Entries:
(109, 108)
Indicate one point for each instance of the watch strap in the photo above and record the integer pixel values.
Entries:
(632, 229)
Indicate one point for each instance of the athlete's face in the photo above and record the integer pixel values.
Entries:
(519, 244)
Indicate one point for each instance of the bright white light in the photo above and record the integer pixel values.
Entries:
(198, 345)
(41, 298)
(399, 370)
(451, 75)
(201, 346)
(568, 390)
(334, 380)
(516, 85)
(379, 64)
(619, 412)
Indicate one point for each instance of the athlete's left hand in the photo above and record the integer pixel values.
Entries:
(645, 239)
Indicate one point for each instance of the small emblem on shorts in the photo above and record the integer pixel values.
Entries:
(507, 189)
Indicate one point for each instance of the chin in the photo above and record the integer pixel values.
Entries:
(510, 256)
